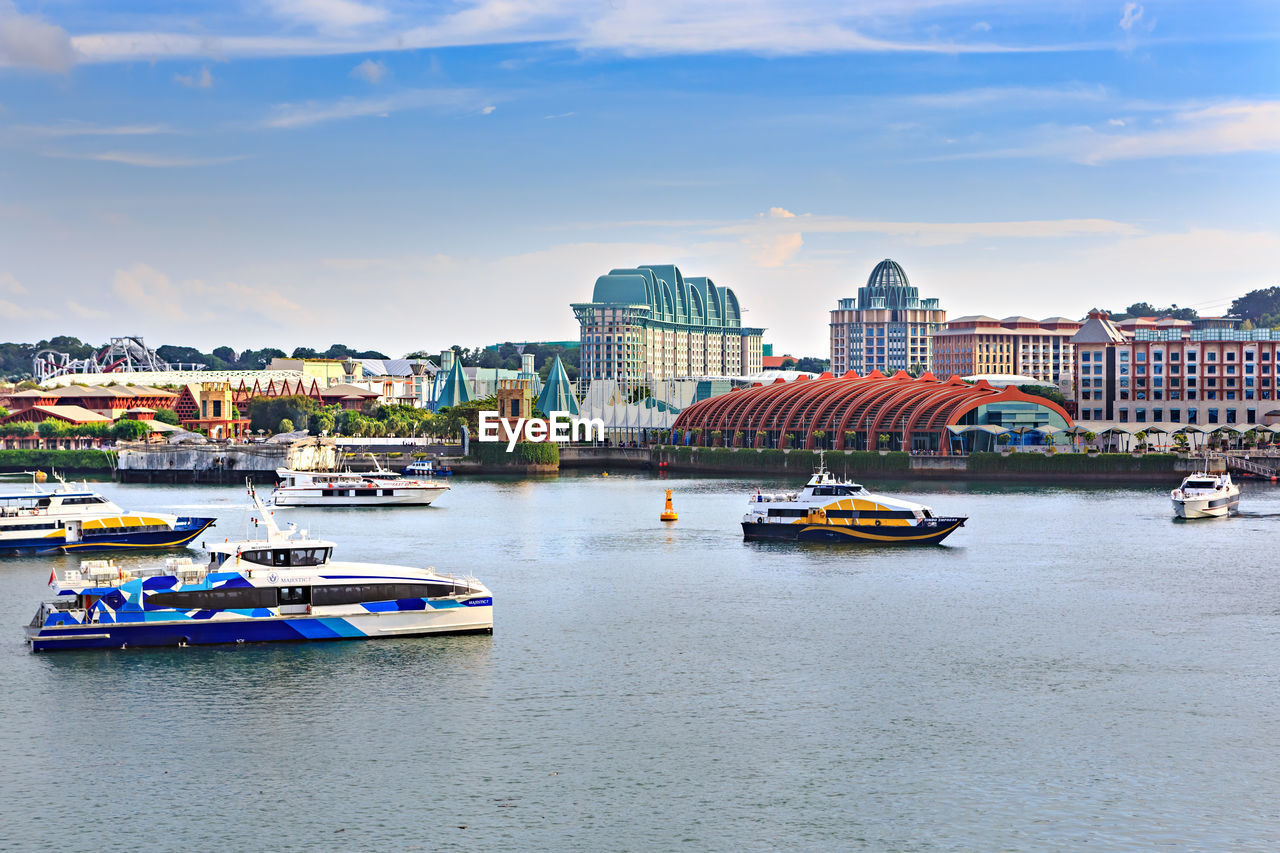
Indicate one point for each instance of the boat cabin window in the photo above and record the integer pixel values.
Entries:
(287, 556)
(835, 491)
(75, 501)
(294, 594)
(221, 598)
(361, 593)
(1201, 484)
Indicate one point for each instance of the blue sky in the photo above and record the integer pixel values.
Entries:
(408, 176)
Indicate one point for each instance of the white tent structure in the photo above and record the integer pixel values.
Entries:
(624, 420)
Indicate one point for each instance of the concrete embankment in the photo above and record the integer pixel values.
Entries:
(1026, 467)
(220, 463)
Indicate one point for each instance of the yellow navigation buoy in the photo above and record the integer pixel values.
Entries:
(669, 513)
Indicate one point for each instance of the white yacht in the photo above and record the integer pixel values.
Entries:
(344, 488)
(828, 509)
(72, 517)
(1204, 495)
(281, 586)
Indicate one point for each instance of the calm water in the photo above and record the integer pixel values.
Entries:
(1072, 670)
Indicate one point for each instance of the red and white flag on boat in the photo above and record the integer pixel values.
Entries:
(53, 579)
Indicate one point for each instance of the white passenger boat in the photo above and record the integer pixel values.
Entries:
(828, 509)
(72, 517)
(334, 488)
(1204, 495)
(283, 586)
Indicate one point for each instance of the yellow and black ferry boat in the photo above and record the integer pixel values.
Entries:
(833, 510)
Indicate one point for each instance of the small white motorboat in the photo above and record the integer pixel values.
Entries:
(1204, 495)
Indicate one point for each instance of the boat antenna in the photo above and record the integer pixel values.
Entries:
(268, 520)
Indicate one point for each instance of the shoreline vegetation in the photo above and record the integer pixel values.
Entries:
(1057, 467)
(63, 461)
(529, 458)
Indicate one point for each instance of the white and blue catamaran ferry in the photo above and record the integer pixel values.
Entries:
(285, 586)
(72, 517)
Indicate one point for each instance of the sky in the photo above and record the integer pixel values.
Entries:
(407, 176)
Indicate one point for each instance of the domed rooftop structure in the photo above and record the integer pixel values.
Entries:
(888, 287)
(888, 274)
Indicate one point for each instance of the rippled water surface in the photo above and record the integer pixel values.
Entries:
(1073, 670)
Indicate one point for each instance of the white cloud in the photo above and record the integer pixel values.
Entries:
(81, 128)
(327, 14)
(147, 292)
(1223, 129)
(1132, 14)
(776, 250)
(203, 79)
(143, 159)
(370, 71)
(783, 223)
(10, 284)
(27, 41)
(1038, 96)
(316, 112)
(487, 110)
(84, 312)
(768, 27)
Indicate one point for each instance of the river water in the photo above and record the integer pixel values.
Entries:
(1072, 670)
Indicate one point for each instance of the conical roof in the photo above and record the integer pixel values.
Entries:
(557, 393)
(456, 388)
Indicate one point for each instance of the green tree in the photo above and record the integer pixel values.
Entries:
(1261, 306)
(168, 416)
(810, 364)
(286, 425)
(51, 428)
(265, 413)
(321, 423)
(1049, 392)
(129, 430)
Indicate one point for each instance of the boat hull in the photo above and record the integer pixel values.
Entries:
(855, 534)
(108, 539)
(314, 497)
(1207, 507)
(476, 617)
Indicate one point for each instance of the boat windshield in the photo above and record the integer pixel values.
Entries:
(1199, 484)
(837, 491)
(287, 556)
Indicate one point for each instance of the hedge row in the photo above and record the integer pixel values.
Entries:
(525, 453)
(62, 460)
(1072, 463)
(789, 461)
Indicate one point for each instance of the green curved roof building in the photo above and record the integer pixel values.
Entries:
(649, 323)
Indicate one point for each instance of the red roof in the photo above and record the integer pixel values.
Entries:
(849, 403)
